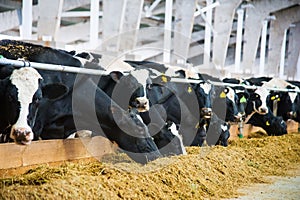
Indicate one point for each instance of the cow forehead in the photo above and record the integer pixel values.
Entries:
(206, 87)
(140, 75)
(263, 93)
(293, 96)
(230, 94)
(26, 81)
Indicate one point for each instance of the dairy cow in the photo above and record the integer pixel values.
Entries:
(259, 114)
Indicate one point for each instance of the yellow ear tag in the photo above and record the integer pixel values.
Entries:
(189, 89)
(273, 98)
(278, 99)
(222, 95)
(268, 123)
(164, 79)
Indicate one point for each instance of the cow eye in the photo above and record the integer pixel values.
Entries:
(149, 86)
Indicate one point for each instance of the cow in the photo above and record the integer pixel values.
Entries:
(284, 104)
(259, 114)
(55, 115)
(224, 100)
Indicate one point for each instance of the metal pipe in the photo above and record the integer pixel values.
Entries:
(52, 67)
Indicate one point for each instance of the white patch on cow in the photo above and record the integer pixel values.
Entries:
(111, 63)
(263, 93)
(230, 94)
(239, 91)
(141, 76)
(26, 80)
(206, 87)
(224, 127)
(175, 132)
(293, 95)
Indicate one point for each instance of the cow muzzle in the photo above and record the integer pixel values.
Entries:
(206, 113)
(21, 135)
(142, 104)
(292, 115)
(263, 110)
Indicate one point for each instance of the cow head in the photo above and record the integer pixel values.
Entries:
(22, 97)
(131, 87)
(258, 101)
(242, 99)
(203, 91)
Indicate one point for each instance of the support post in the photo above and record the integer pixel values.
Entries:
(298, 68)
(277, 33)
(168, 31)
(293, 51)
(26, 27)
(131, 24)
(223, 19)
(282, 56)
(113, 18)
(207, 41)
(94, 23)
(263, 48)
(49, 20)
(238, 44)
(184, 20)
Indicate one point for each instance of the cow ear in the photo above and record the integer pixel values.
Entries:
(181, 73)
(54, 91)
(116, 76)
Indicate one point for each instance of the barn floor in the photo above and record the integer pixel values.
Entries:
(207, 172)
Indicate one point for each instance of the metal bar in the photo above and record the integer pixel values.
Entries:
(52, 67)
(71, 69)
(79, 14)
(252, 86)
(205, 9)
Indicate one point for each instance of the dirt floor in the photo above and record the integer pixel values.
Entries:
(281, 187)
(205, 173)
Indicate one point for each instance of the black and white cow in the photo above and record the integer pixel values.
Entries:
(57, 115)
(224, 100)
(259, 114)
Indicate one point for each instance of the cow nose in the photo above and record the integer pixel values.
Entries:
(263, 110)
(292, 115)
(206, 112)
(142, 104)
(239, 116)
(22, 135)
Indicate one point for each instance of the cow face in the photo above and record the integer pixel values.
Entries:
(258, 101)
(204, 92)
(132, 88)
(23, 94)
(242, 99)
(232, 113)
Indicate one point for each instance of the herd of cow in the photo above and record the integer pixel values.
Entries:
(150, 110)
